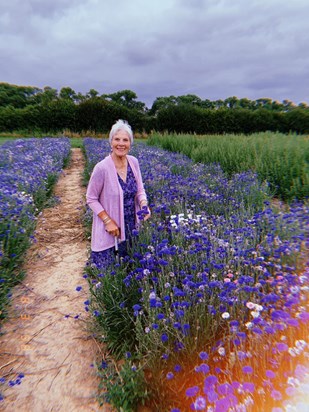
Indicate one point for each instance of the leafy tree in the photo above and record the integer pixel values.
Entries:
(264, 103)
(288, 105)
(231, 102)
(126, 98)
(218, 104)
(16, 96)
(162, 103)
(207, 104)
(67, 93)
(246, 103)
(49, 94)
(191, 99)
(92, 94)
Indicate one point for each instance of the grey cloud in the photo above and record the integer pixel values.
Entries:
(212, 48)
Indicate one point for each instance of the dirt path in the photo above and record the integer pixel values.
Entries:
(53, 350)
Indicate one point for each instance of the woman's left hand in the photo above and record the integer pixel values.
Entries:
(147, 216)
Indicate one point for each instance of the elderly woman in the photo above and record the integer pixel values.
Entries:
(115, 194)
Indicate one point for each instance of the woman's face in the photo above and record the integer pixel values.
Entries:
(121, 143)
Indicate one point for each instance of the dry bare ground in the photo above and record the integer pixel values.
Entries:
(53, 350)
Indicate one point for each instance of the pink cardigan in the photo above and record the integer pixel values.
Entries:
(105, 193)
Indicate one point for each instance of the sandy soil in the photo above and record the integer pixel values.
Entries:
(53, 350)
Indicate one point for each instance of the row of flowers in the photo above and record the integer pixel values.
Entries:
(211, 307)
(28, 170)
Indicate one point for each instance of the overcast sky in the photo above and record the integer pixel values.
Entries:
(211, 48)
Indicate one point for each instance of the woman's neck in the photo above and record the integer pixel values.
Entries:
(119, 161)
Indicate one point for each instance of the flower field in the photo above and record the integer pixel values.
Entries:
(209, 312)
(28, 170)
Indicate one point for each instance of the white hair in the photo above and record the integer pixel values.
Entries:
(121, 125)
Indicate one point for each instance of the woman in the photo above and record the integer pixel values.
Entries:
(115, 193)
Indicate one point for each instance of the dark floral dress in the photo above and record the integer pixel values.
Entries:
(105, 257)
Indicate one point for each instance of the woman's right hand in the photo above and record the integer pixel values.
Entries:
(112, 229)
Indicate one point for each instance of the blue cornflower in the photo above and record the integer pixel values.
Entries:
(193, 391)
(203, 368)
(282, 347)
(270, 374)
(203, 355)
(177, 368)
(169, 375)
(199, 404)
(210, 381)
(164, 337)
(276, 395)
(248, 387)
(78, 288)
(247, 369)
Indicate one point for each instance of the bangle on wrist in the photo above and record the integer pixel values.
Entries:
(107, 221)
(143, 203)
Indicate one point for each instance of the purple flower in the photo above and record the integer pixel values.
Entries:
(169, 375)
(304, 317)
(193, 391)
(212, 395)
(290, 391)
(270, 374)
(203, 368)
(164, 337)
(203, 355)
(248, 387)
(177, 368)
(78, 288)
(300, 371)
(222, 405)
(225, 389)
(276, 395)
(199, 404)
(210, 381)
(247, 369)
(282, 347)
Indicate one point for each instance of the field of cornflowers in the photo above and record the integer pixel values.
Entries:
(209, 313)
(29, 169)
(281, 160)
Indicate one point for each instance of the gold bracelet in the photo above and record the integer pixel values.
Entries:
(106, 222)
(143, 203)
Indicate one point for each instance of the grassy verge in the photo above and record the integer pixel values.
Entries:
(281, 160)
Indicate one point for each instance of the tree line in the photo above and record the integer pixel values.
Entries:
(46, 110)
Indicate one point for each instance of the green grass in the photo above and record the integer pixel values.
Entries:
(281, 160)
